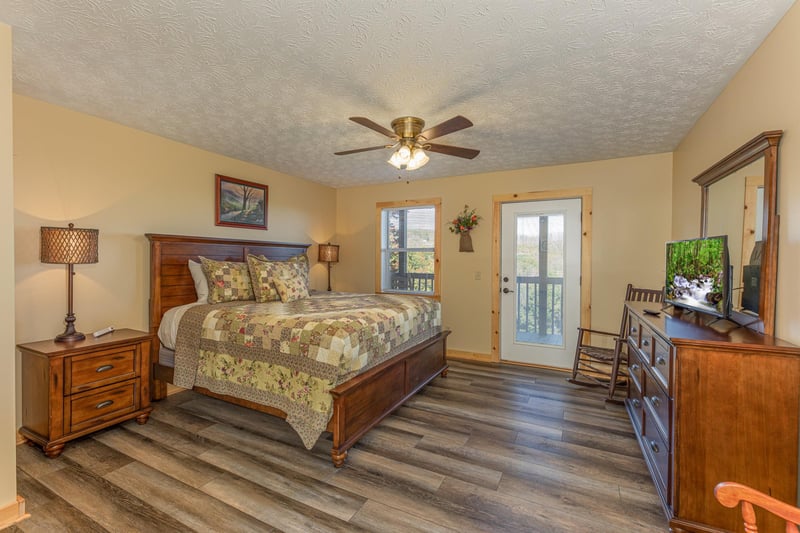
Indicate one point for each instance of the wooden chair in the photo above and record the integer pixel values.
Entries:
(599, 366)
(731, 494)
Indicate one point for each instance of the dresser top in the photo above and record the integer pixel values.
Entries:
(684, 326)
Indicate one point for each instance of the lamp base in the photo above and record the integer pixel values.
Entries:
(70, 337)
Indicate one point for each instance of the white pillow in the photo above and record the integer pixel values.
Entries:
(200, 282)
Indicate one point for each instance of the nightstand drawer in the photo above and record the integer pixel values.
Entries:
(101, 368)
(96, 406)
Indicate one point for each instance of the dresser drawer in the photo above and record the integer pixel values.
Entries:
(636, 367)
(662, 363)
(101, 368)
(634, 330)
(635, 405)
(659, 402)
(94, 407)
(646, 344)
(657, 453)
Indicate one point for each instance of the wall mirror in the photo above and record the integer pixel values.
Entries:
(739, 199)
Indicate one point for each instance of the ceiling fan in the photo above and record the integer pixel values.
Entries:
(410, 141)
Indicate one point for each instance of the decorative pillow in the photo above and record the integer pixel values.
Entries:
(263, 271)
(227, 281)
(291, 289)
(200, 281)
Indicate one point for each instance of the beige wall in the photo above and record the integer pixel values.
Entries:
(71, 167)
(762, 96)
(8, 463)
(631, 199)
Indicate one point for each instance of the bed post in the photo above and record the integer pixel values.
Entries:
(158, 388)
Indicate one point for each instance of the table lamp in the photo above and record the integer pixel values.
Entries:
(329, 253)
(69, 246)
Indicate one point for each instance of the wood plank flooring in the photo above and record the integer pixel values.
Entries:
(489, 448)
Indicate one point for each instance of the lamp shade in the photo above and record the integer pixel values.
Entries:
(329, 253)
(68, 246)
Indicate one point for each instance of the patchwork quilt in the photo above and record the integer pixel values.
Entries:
(290, 355)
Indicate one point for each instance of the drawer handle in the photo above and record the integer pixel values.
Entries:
(634, 329)
(104, 368)
(104, 404)
(636, 403)
(654, 446)
(635, 367)
(645, 342)
(660, 360)
(655, 400)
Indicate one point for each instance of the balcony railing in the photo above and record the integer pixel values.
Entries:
(539, 309)
(412, 282)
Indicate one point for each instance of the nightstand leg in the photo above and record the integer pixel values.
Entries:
(142, 419)
(53, 450)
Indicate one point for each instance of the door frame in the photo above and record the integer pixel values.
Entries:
(585, 194)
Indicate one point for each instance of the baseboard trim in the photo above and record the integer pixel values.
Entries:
(459, 355)
(20, 438)
(173, 389)
(13, 513)
(534, 365)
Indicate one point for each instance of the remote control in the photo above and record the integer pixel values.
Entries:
(104, 331)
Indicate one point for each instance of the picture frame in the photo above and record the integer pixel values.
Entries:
(240, 203)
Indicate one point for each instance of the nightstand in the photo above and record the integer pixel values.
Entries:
(71, 389)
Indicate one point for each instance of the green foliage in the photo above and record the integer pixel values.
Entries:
(696, 260)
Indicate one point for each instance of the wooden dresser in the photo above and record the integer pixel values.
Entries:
(70, 389)
(711, 402)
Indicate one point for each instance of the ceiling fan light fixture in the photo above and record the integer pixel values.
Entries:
(404, 152)
(395, 161)
(418, 159)
(411, 139)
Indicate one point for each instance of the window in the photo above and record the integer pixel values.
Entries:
(408, 251)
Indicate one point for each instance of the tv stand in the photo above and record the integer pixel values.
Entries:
(710, 405)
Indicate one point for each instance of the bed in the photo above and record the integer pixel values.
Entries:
(358, 403)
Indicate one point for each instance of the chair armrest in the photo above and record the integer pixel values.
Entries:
(581, 331)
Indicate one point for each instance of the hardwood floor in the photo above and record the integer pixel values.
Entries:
(486, 449)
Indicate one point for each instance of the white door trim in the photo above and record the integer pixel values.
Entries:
(585, 194)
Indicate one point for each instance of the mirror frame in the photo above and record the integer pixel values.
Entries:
(764, 145)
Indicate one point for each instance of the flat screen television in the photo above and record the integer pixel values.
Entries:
(698, 275)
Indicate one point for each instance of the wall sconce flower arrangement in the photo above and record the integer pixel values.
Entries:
(465, 222)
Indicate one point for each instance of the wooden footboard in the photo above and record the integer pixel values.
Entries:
(363, 401)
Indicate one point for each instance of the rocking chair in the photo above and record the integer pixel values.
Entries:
(731, 494)
(599, 366)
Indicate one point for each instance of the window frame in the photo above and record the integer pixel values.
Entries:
(436, 203)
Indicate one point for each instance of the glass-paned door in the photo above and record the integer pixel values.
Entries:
(540, 281)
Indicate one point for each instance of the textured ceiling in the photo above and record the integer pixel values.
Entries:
(273, 82)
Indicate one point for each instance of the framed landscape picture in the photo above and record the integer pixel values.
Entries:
(241, 204)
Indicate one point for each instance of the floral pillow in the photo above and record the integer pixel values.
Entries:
(263, 271)
(291, 289)
(227, 281)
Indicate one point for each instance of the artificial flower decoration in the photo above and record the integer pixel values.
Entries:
(465, 221)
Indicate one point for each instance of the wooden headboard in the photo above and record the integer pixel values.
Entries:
(170, 280)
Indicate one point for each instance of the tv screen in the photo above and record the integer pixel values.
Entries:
(698, 275)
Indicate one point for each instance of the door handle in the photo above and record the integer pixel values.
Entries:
(506, 290)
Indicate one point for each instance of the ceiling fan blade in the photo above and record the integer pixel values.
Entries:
(466, 153)
(357, 150)
(446, 127)
(374, 126)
